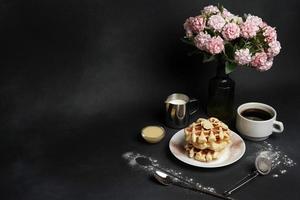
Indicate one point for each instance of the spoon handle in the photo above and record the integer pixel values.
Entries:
(172, 175)
(242, 182)
(195, 188)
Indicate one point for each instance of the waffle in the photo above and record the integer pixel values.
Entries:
(204, 155)
(206, 138)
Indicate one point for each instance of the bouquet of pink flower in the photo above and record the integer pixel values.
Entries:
(246, 41)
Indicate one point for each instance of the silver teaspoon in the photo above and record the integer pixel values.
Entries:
(147, 162)
(165, 179)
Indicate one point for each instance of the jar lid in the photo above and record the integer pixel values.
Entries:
(153, 134)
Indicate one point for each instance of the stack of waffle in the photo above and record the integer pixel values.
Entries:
(206, 138)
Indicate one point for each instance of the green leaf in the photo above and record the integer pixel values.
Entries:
(208, 58)
(241, 44)
(229, 51)
(210, 32)
(187, 41)
(221, 8)
(229, 67)
(195, 52)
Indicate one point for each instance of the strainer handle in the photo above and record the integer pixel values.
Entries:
(245, 180)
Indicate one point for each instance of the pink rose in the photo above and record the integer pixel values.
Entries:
(259, 60)
(270, 34)
(242, 56)
(201, 40)
(248, 29)
(231, 31)
(208, 10)
(194, 25)
(226, 14)
(267, 65)
(255, 20)
(274, 48)
(216, 22)
(215, 45)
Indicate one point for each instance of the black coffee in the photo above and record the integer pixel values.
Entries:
(256, 114)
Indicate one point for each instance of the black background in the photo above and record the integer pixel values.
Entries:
(79, 79)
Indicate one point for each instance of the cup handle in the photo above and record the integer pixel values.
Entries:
(278, 127)
(197, 108)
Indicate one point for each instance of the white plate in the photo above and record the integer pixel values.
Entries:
(230, 154)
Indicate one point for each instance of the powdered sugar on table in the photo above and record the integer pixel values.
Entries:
(131, 158)
(280, 161)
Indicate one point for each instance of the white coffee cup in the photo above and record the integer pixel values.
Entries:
(257, 121)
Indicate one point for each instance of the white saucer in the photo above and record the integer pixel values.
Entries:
(230, 154)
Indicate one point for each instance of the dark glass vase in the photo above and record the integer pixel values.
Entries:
(221, 96)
